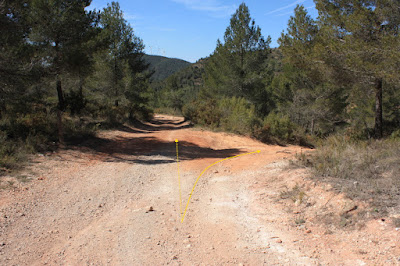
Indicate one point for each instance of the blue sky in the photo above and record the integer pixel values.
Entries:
(189, 29)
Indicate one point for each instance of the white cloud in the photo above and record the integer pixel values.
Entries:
(292, 11)
(214, 7)
(297, 2)
(129, 16)
(310, 7)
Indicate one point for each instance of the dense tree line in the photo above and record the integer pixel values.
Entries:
(60, 60)
(64, 68)
(337, 73)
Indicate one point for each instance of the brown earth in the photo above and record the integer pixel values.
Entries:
(90, 205)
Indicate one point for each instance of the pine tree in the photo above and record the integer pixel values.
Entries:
(237, 66)
(363, 38)
(58, 28)
(305, 90)
(124, 48)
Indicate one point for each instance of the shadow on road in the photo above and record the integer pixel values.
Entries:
(163, 125)
(150, 150)
(146, 149)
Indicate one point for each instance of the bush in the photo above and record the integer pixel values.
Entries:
(278, 129)
(76, 130)
(24, 134)
(11, 153)
(114, 116)
(189, 111)
(203, 112)
(237, 115)
(230, 114)
(23, 125)
(395, 135)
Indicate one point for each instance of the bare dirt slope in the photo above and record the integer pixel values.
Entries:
(90, 205)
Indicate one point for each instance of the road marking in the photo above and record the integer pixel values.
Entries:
(198, 178)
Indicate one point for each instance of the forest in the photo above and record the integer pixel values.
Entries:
(67, 71)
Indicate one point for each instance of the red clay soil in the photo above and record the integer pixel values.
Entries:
(114, 200)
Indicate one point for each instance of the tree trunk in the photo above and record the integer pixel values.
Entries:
(378, 109)
(61, 107)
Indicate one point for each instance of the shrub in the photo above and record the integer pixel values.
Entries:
(189, 111)
(114, 116)
(395, 135)
(237, 115)
(78, 130)
(278, 129)
(203, 112)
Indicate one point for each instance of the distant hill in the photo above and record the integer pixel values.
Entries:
(164, 66)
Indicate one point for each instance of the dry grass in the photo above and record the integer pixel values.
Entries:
(296, 194)
(363, 170)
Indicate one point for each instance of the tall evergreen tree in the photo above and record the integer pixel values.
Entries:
(124, 49)
(58, 28)
(304, 90)
(237, 65)
(363, 36)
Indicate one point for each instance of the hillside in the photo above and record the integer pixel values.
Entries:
(164, 67)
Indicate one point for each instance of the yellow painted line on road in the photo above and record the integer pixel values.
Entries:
(198, 178)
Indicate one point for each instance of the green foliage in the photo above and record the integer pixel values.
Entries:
(237, 115)
(92, 61)
(279, 129)
(359, 42)
(305, 90)
(203, 112)
(395, 135)
(124, 56)
(279, 126)
(234, 114)
(11, 153)
(180, 88)
(236, 68)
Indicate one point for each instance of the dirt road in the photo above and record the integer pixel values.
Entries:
(115, 200)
